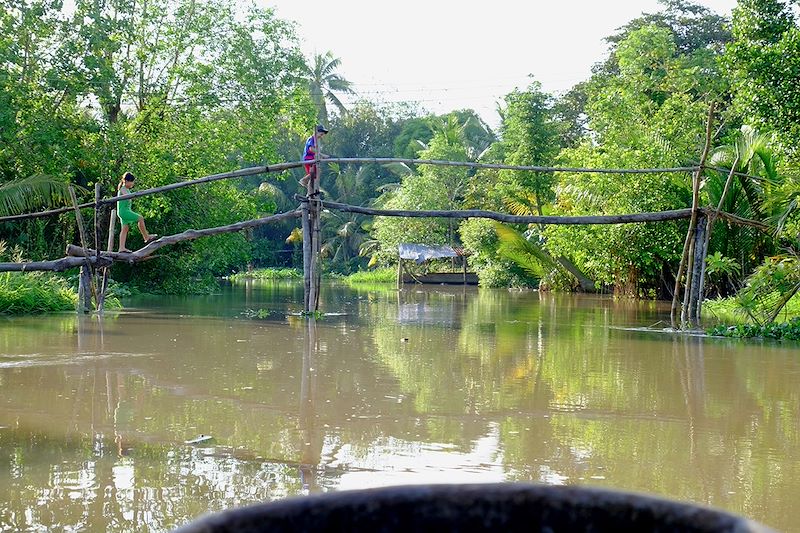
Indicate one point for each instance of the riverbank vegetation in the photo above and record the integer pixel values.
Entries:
(773, 330)
(380, 275)
(271, 274)
(35, 292)
(97, 91)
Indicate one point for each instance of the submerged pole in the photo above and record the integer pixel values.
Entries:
(399, 272)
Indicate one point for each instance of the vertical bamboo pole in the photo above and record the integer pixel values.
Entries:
(695, 206)
(85, 290)
(313, 264)
(699, 258)
(687, 283)
(315, 258)
(317, 240)
(85, 287)
(701, 285)
(110, 248)
(97, 218)
(399, 272)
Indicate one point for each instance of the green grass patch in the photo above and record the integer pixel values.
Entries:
(380, 275)
(268, 274)
(34, 293)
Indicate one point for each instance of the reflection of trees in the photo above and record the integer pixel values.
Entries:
(572, 399)
(82, 483)
(108, 453)
(144, 383)
(578, 401)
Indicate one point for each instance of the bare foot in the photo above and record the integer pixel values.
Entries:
(151, 238)
(125, 251)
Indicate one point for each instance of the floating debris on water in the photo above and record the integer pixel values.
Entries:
(198, 440)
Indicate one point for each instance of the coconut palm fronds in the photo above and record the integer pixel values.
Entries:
(28, 194)
(527, 254)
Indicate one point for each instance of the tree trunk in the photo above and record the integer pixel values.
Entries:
(586, 284)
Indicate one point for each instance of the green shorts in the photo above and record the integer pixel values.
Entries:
(128, 217)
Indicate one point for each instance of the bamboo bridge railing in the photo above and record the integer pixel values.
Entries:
(690, 278)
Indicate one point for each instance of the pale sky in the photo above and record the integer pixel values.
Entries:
(449, 55)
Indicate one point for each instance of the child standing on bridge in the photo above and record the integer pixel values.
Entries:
(309, 154)
(128, 217)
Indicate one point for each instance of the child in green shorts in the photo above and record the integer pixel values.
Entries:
(128, 217)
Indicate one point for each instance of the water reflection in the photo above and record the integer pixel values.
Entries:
(435, 385)
(310, 436)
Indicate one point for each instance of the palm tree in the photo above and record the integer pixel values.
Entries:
(751, 154)
(528, 251)
(746, 196)
(324, 82)
(763, 195)
(346, 243)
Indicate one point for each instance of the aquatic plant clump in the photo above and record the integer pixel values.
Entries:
(268, 274)
(774, 330)
(35, 292)
(380, 275)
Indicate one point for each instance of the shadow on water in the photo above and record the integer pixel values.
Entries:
(423, 385)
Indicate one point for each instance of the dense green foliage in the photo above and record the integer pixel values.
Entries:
(167, 90)
(765, 60)
(152, 89)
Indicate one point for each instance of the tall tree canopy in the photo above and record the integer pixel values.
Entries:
(764, 58)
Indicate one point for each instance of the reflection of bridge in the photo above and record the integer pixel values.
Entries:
(691, 270)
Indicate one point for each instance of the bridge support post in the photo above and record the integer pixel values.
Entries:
(698, 271)
(311, 248)
(312, 235)
(85, 281)
(691, 243)
(101, 297)
(85, 290)
(306, 257)
(315, 250)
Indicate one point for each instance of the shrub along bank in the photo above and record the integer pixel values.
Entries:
(35, 292)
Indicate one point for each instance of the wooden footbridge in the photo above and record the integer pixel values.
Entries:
(94, 262)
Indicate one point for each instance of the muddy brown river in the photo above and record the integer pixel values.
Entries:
(175, 407)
